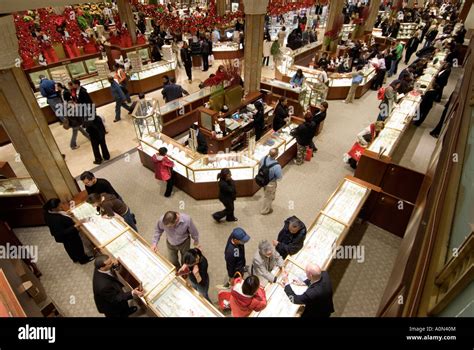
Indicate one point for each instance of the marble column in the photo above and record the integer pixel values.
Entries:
(335, 12)
(254, 26)
(373, 12)
(126, 16)
(23, 120)
(221, 6)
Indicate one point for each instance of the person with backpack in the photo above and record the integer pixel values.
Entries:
(267, 177)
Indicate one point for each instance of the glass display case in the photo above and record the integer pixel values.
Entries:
(18, 186)
(206, 168)
(346, 202)
(278, 303)
(225, 46)
(153, 69)
(320, 242)
(265, 144)
(172, 298)
(144, 55)
(145, 120)
(90, 65)
(407, 30)
(34, 77)
(385, 143)
(77, 69)
(137, 257)
(285, 134)
(181, 156)
(347, 29)
(345, 79)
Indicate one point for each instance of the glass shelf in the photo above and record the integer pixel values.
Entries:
(386, 140)
(278, 303)
(153, 69)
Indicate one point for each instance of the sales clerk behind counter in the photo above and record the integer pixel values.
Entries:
(201, 146)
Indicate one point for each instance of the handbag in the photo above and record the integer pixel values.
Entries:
(309, 154)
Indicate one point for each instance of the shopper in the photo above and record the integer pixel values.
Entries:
(304, 134)
(389, 100)
(234, 253)
(318, 117)
(270, 165)
(267, 47)
(227, 196)
(280, 115)
(259, 120)
(121, 78)
(97, 185)
(297, 79)
(442, 80)
(173, 91)
(201, 146)
(247, 296)
(47, 89)
(164, 169)
(179, 229)
(412, 46)
(437, 130)
(187, 61)
(195, 268)
(119, 98)
(282, 36)
(264, 261)
(427, 101)
(357, 77)
(109, 297)
(291, 237)
(323, 61)
(317, 299)
(64, 230)
(96, 131)
(109, 205)
(205, 51)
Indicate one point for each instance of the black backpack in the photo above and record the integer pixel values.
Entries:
(263, 177)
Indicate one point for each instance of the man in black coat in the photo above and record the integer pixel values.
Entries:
(318, 117)
(317, 299)
(411, 47)
(84, 99)
(291, 237)
(109, 296)
(426, 104)
(205, 52)
(304, 134)
(96, 131)
(187, 60)
(442, 80)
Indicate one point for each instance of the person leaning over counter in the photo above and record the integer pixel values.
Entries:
(317, 299)
(109, 205)
(291, 237)
(280, 115)
(97, 185)
(264, 261)
(297, 79)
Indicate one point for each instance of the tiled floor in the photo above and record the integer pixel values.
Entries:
(303, 192)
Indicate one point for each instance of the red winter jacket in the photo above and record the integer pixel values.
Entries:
(242, 305)
(163, 167)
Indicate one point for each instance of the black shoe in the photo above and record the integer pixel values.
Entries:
(107, 158)
(117, 120)
(132, 310)
(86, 260)
(216, 219)
(231, 220)
(435, 135)
(97, 162)
(132, 107)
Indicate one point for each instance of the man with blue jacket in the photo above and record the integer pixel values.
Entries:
(48, 89)
(120, 98)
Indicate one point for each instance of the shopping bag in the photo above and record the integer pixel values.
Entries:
(356, 151)
(309, 154)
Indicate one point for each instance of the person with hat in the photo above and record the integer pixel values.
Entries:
(234, 253)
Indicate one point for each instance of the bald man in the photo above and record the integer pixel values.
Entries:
(317, 299)
(274, 174)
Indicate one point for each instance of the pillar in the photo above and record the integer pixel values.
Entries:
(334, 15)
(254, 25)
(410, 4)
(25, 124)
(221, 6)
(373, 13)
(126, 16)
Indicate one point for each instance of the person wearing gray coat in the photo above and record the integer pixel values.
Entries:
(265, 260)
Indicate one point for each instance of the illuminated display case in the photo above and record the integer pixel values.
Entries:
(153, 69)
(90, 65)
(266, 143)
(225, 46)
(347, 29)
(14, 187)
(77, 69)
(407, 30)
(34, 77)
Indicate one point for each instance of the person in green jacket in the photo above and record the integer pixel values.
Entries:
(398, 51)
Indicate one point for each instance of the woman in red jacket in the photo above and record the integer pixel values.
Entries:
(247, 296)
(164, 169)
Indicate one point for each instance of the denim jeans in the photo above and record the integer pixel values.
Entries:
(203, 290)
(128, 217)
(56, 103)
(75, 130)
